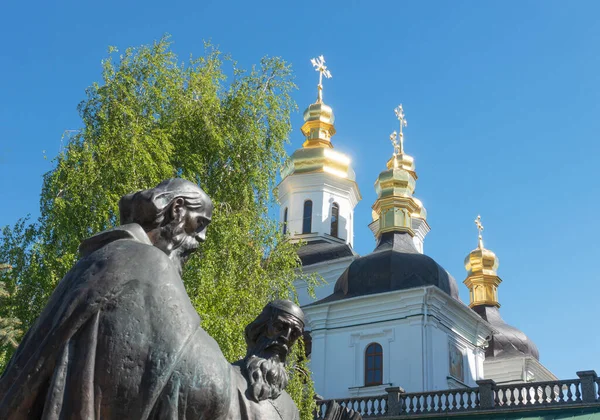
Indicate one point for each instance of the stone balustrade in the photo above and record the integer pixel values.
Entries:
(486, 396)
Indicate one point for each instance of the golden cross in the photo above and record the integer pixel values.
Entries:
(480, 229)
(319, 65)
(399, 111)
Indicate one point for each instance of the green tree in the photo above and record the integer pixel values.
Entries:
(9, 326)
(154, 117)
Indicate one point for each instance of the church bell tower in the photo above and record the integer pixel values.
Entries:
(318, 194)
(318, 191)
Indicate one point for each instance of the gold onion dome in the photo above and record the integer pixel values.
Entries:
(395, 263)
(317, 154)
(482, 276)
(482, 281)
(395, 207)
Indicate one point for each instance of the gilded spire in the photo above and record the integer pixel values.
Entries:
(395, 208)
(482, 277)
(319, 65)
(316, 154)
(479, 229)
(318, 117)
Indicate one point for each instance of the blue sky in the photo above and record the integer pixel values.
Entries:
(501, 98)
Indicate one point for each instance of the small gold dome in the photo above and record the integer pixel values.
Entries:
(395, 206)
(319, 111)
(482, 274)
(481, 261)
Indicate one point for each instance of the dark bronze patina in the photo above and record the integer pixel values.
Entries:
(120, 339)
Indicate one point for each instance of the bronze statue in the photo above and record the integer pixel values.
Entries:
(120, 339)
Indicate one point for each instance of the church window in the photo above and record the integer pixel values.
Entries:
(307, 217)
(335, 213)
(374, 365)
(285, 221)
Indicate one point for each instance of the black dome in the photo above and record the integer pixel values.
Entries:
(395, 264)
(509, 341)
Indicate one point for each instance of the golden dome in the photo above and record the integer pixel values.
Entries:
(318, 125)
(395, 206)
(317, 154)
(482, 276)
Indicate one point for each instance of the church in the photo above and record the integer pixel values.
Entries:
(393, 317)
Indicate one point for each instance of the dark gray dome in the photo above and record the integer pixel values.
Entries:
(395, 264)
(509, 341)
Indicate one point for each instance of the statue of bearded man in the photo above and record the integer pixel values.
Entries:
(120, 339)
(260, 378)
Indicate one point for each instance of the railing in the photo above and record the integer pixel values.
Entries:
(366, 406)
(488, 395)
(548, 393)
(439, 401)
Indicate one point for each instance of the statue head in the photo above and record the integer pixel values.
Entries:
(174, 214)
(269, 339)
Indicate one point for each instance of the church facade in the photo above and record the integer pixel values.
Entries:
(393, 317)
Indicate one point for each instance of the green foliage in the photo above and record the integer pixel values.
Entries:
(9, 326)
(153, 118)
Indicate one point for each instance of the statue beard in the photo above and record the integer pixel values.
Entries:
(180, 245)
(267, 377)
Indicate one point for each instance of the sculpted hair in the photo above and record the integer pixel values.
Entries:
(149, 207)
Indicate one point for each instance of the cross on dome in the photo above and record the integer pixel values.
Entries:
(479, 229)
(319, 65)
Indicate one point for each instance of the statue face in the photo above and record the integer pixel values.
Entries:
(180, 237)
(281, 332)
(195, 223)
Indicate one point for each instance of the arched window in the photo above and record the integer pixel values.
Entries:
(335, 214)
(285, 221)
(307, 217)
(373, 365)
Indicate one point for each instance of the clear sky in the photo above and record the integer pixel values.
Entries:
(501, 98)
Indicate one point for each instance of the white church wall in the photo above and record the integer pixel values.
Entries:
(415, 343)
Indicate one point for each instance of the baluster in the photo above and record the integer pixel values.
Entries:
(512, 396)
(569, 393)
(418, 404)
(447, 401)
(469, 399)
(555, 393)
(410, 404)
(504, 398)
(403, 404)
(545, 394)
(536, 395)
(477, 399)
(521, 396)
(577, 391)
